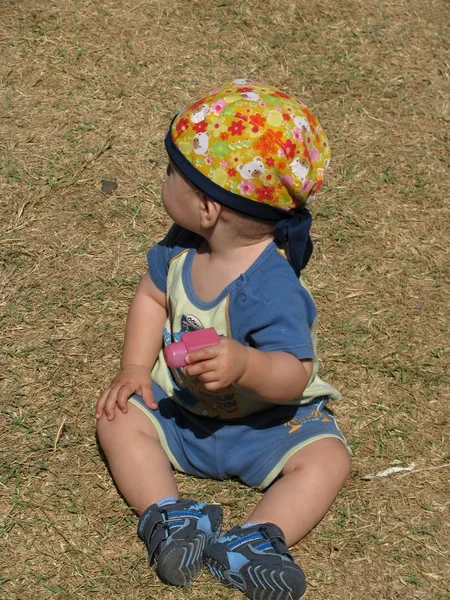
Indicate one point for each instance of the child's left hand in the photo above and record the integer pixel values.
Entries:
(218, 366)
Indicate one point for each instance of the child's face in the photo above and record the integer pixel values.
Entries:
(180, 199)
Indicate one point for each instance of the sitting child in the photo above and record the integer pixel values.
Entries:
(244, 159)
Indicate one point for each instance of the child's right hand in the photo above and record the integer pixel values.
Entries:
(130, 380)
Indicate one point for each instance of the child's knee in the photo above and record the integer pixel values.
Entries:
(105, 429)
(124, 427)
(337, 458)
(343, 461)
(110, 430)
(327, 455)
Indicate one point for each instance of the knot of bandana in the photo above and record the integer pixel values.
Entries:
(293, 233)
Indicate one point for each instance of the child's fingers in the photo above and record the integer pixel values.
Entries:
(147, 396)
(214, 386)
(100, 407)
(201, 367)
(110, 404)
(122, 396)
(203, 354)
(209, 377)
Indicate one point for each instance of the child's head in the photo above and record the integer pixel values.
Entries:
(255, 150)
(188, 206)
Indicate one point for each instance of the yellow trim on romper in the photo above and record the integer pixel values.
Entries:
(178, 255)
(160, 432)
(227, 315)
(279, 466)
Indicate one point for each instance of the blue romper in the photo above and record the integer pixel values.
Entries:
(233, 432)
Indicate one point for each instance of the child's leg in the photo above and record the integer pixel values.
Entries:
(255, 557)
(138, 463)
(174, 531)
(311, 480)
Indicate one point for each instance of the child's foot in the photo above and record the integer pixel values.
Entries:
(176, 535)
(256, 560)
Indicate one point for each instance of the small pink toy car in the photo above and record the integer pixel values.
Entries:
(190, 342)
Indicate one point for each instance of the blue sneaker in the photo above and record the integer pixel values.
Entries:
(176, 535)
(256, 561)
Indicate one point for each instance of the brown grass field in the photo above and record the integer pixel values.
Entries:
(87, 91)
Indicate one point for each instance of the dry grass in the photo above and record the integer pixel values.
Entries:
(87, 90)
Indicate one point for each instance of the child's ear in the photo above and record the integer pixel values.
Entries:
(209, 211)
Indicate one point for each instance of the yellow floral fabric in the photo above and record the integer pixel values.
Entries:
(255, 141)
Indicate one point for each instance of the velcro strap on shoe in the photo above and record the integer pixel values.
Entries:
(153, 529)
(276, 538)
(152, 545)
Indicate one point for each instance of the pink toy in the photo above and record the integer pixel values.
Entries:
(190, 342)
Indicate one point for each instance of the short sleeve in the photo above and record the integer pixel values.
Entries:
(160, 255)
(286, 326)
(277, 314)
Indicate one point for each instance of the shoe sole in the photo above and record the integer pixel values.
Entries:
(181, 560)
(263, 583)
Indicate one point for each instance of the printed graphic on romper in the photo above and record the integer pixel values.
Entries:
(297, 423)
(188, 323)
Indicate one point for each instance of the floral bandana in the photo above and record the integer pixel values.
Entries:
(255, 149)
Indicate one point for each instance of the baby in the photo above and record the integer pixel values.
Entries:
(244, 159)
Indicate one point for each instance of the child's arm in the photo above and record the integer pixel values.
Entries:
(143, 341)
(278, 377)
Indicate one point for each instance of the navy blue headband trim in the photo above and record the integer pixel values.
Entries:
(218, 193)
